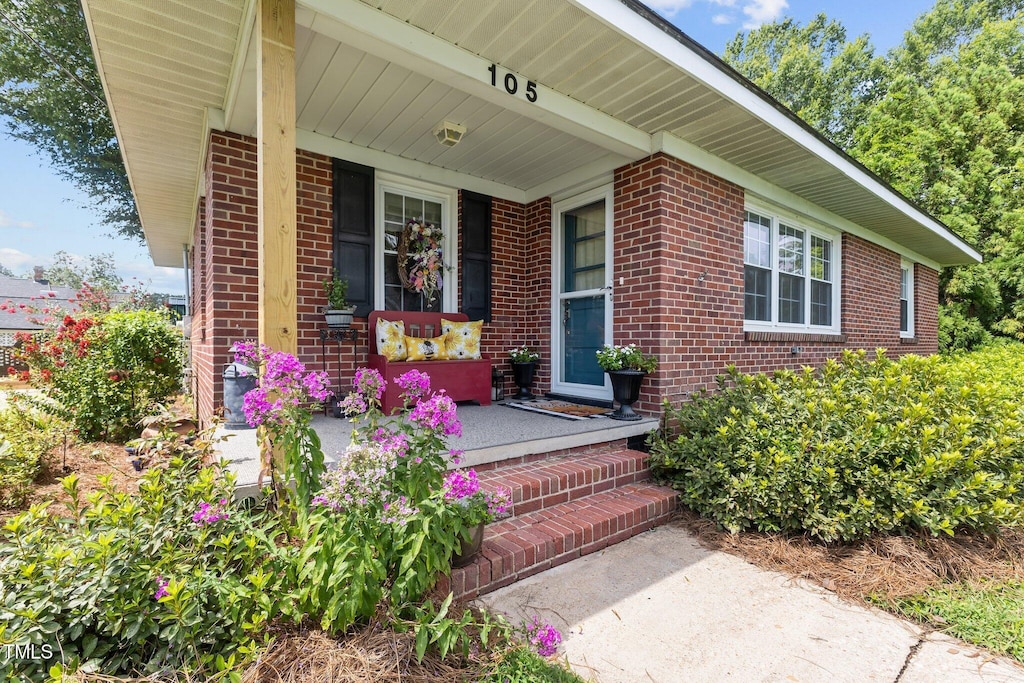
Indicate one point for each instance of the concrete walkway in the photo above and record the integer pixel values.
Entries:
(659, 608)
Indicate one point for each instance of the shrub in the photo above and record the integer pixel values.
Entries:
(25, 438)
(102, 370)
(857, 447)
(173, 577)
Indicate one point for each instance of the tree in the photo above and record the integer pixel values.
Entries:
(51, 95)
(949, 134)
(99, 271)
(941, 118)
(5, 271)
(813, 70)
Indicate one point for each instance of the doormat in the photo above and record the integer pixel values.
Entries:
(557, 408)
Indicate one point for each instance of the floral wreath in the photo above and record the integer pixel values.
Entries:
(420, 261)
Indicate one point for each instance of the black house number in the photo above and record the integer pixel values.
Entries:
(511, 83)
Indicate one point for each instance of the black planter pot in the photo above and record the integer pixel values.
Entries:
(522, 373)
(626, 391)
(467, 550)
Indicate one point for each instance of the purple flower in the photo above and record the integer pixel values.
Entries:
(395, 442)
(161, 588)
(544, 637)
(437, 413)
(415, 385)
(369, 383)
(456, 455)
(459, 484)
(353, 404)
(210, 514)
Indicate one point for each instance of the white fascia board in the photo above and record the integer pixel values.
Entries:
(245, 31)
(324, 144)
(624, 20)
(761, 188)
(365, 28)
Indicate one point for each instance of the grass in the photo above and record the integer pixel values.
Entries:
(988, 613)
(523, 666)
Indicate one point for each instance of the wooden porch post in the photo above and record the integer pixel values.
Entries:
(275, 164)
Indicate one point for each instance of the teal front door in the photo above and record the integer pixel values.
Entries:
(582, 302)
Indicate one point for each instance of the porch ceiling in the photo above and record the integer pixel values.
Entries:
(374, 77)
(391, 109)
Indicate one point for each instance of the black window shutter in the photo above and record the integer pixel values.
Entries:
(353, 232)
(476, 256)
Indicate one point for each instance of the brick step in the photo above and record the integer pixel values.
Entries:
(532, 542)
(546, 483)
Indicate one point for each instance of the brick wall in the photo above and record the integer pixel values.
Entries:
(679, 247)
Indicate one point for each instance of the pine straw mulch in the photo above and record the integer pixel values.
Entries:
(890, 567)
(374, 654)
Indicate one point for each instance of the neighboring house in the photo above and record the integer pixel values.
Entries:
(19, 297)
(613, 182)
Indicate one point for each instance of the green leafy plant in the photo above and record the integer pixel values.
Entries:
(523, 354)
(175, 576)
(858, 447)
(381, 526)
(335, 290)
(628, 357)
(26, 436)
(101, 370)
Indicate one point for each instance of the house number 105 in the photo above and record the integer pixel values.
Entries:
(511, 83)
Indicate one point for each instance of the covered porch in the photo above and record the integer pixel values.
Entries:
(491, 435)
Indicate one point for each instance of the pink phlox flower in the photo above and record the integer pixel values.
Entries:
(353, 404)
(459, 484)
(369, 383)
(395, 442)
(544, 637)
(415, 385)
(456, 455)
(437, 413)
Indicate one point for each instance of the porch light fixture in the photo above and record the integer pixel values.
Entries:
(448, 133)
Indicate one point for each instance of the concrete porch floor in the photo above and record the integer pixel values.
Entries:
(490, 434)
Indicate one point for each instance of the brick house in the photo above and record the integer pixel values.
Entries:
(615, 183)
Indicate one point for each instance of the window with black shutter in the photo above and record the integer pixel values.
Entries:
(353, 232)
(476, 256)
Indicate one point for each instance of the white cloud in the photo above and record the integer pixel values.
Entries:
(152, 278)
(722, 19)
(17, 261)
(6, 221)
(762, 12)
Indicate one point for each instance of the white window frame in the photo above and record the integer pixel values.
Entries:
(907, 267)
(449, 200)
(777, 216)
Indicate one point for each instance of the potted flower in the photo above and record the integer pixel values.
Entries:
(337, 313)
(626, 367)
(473, 508)
(524, 364)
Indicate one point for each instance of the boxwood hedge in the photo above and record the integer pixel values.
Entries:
(861, 445)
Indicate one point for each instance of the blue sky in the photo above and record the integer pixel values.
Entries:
(41, 214)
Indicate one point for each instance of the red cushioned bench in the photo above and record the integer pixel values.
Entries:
(462, 380)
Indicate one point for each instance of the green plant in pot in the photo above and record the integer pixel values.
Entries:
(626, 367)
(524, 364)
(473, 507)
(337, 313)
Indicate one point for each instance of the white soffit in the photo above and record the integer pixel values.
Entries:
(366, 108)
(604, 54)
(163, 63)
(375, 77)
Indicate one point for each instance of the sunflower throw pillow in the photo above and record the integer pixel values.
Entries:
(463, 339)
(391, 339)
(426, 349)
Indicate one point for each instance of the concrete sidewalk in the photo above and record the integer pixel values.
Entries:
(659, 608)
